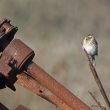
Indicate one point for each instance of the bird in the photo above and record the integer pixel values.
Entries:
(90, 44)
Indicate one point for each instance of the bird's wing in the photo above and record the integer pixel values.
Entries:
(96, 47)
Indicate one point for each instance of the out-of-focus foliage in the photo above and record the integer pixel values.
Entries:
(54, 29)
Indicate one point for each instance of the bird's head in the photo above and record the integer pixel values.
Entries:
(88, 39)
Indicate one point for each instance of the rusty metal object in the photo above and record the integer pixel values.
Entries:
(56, 88)
(21, 53)
(30, 84)
(7, 32)
(14, 58)
(17, 58)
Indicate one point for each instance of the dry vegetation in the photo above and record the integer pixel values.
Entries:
(55, 29)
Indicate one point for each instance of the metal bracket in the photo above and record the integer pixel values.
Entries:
(15, 57)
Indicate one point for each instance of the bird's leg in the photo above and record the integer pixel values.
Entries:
(90, 57)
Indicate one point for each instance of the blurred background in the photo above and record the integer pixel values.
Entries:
(54, 29)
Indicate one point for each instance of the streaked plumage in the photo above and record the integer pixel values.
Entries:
(91, 46)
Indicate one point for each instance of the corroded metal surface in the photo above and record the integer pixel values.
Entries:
(32, 85)
(14, 58)
(56, 88)
(7, 32)
(20, 52)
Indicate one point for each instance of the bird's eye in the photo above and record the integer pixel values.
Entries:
(87, 38)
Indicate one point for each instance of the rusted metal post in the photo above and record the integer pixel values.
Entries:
(16, 57)
(56, 88)
(30, 84)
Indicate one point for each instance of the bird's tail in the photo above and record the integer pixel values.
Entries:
(93, 61)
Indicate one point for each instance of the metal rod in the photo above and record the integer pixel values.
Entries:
(29, 83)
(56, 88)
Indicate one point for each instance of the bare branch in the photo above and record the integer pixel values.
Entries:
(97, 79)
(97, 102)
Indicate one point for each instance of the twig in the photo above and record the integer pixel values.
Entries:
(97, 79)
(97, 102)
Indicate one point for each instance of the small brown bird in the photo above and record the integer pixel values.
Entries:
(91, 46)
